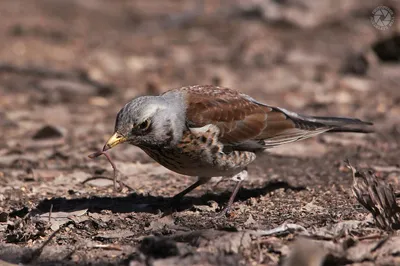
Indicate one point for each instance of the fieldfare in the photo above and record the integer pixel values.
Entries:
(208, 131)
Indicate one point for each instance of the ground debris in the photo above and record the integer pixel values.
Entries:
(115, 234)
(161, 223)
(74, 64)
(212, 207)
(22, 230)
(33, 254)
(340, 229)
(182, 245)
(377, 197)
(58, 219)
(158, 247)
(210, 239)
(285, 228)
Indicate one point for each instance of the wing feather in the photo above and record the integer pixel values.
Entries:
(245, 122)
(238, 116)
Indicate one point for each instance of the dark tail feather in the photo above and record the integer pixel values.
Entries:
(354, 130)
(339, 121)
(332, 124)
(343, 124)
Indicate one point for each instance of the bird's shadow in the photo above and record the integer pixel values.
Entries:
(151, 204)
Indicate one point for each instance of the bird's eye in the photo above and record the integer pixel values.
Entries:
(144, 125)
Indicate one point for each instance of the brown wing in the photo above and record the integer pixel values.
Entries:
(239, 117)
(243, 120)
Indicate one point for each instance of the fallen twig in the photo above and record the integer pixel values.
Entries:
(108, 247)
(50, 211)
(380, 243)
(97, 154)
(369, 237)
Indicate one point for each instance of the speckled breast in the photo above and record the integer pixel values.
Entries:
(201, 154)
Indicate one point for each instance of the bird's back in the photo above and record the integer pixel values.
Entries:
(245, 123)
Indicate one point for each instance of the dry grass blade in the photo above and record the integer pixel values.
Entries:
(115, 169)
(377, 197)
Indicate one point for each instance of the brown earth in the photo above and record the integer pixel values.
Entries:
(67, 67)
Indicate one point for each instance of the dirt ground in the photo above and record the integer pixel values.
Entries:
(67, 67)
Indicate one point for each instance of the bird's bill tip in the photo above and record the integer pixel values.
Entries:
(114, 141)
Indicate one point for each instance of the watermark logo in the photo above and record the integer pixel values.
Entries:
(382, 17)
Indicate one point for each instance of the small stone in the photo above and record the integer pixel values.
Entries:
(48, 132)
(3, 217)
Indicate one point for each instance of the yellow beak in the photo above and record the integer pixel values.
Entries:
(114, 141)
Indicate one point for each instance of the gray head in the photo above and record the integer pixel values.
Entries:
(150, 121)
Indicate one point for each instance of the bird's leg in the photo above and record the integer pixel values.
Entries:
(239, 178)
(200, 181)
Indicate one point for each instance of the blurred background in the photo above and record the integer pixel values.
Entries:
(60, 58)
(72, 64)
(68, 66)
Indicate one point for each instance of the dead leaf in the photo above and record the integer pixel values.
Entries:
(207, 208)
(57, 219)
(115, 234)
(161, 223)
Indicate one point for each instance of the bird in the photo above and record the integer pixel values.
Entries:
(209, 131)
